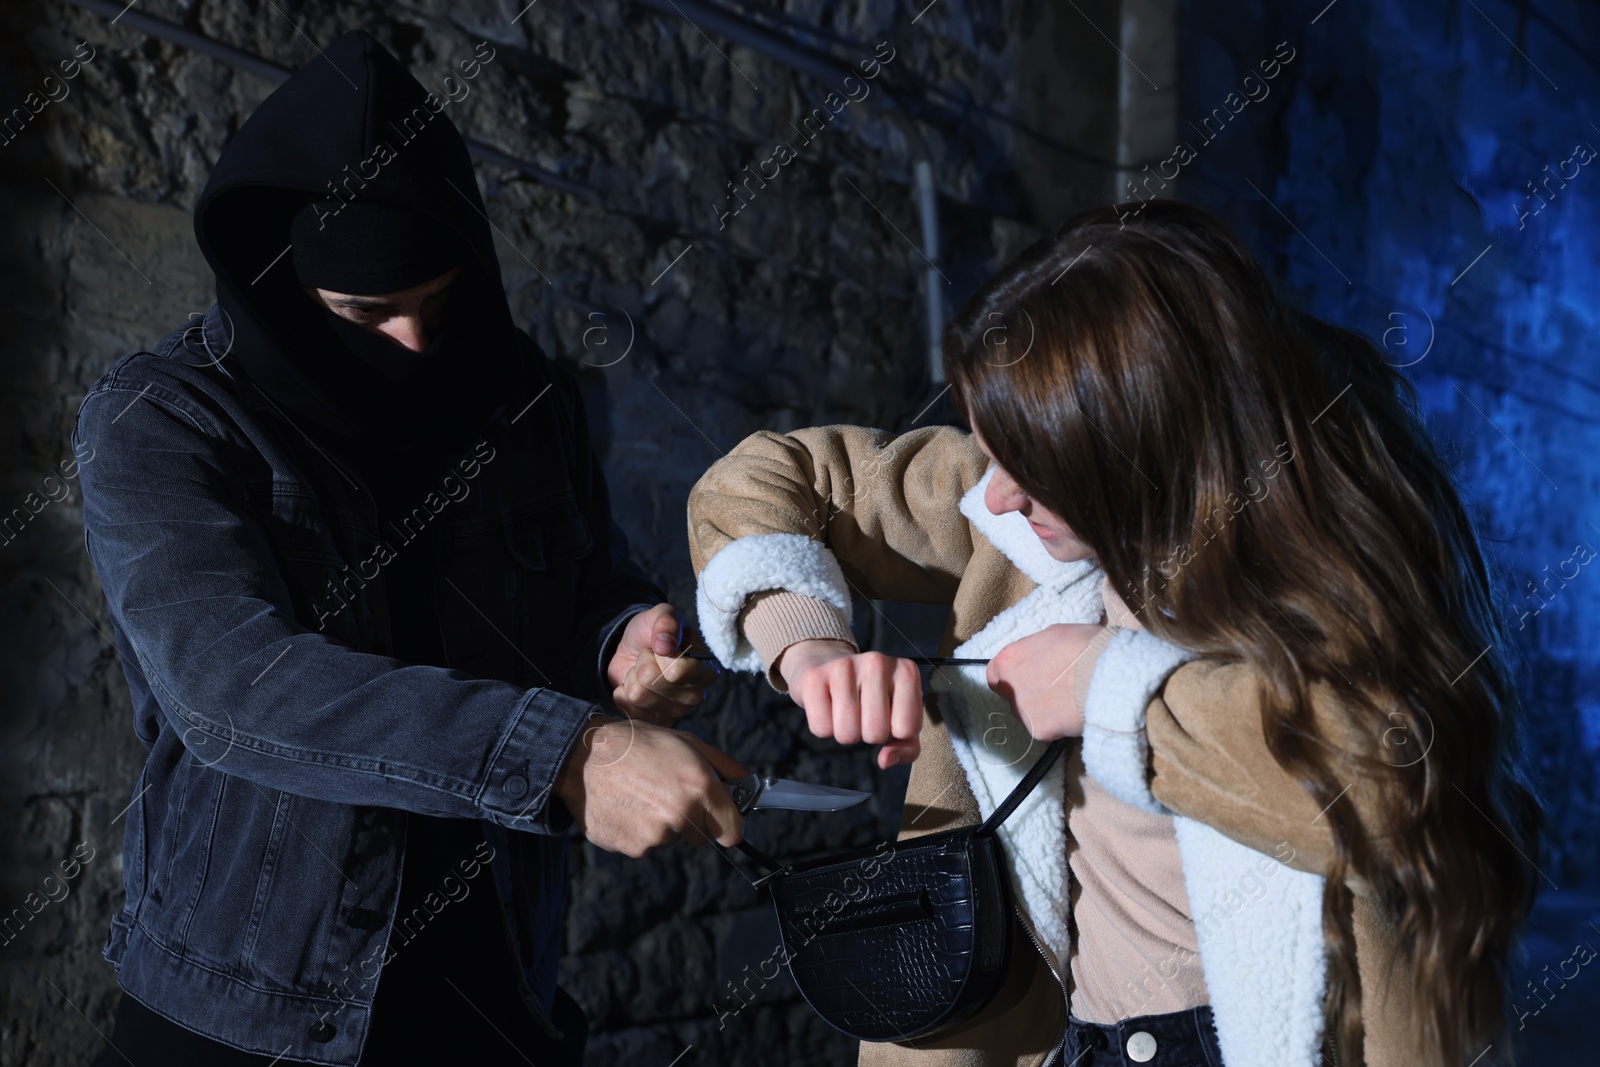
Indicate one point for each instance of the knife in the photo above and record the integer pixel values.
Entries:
(755, 791)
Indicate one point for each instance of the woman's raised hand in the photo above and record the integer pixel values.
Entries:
(855, 696)
(1037, 674)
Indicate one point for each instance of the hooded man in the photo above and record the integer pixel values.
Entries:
(375, 619)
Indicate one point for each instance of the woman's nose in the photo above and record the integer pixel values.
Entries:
(1003, 494)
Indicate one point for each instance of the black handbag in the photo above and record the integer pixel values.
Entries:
(907, 939)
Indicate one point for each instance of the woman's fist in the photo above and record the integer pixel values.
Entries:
(855, 696)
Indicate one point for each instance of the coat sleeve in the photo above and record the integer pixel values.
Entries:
(824, 513)
(194, 587)
(1176, 735)
(1209, 760)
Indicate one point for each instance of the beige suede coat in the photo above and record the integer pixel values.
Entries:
(828, 512)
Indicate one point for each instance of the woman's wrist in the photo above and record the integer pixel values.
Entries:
(773, 620)
(802, 655)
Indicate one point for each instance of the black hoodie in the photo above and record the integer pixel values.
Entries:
(355, 124)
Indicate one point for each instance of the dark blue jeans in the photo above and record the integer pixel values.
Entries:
(1176, 1039)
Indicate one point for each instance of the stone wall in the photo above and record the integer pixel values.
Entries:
(690, 328)
(1384, 176)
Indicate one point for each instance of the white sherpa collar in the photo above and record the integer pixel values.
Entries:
(995, 751)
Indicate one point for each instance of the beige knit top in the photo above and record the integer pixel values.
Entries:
(1135, 950)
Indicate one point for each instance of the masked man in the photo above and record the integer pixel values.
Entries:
(375, 618)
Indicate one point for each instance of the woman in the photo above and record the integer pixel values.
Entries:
(1216, 543)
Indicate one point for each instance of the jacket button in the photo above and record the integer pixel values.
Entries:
(1141, 1046)
(363, 918)
(322, 1032)
(515, 786)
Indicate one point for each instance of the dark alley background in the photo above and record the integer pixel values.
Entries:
(1424, 171)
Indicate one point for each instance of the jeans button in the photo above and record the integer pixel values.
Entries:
(515, 786)
(1141, 1046)
(363, 918)
(322, 1032)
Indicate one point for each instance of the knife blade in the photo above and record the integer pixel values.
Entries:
(755, 791)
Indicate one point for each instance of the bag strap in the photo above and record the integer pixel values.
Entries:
(773, 868)
(1040, 768)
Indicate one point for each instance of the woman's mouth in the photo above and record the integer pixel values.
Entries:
(1044, 532)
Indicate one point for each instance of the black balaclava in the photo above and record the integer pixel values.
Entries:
(400, 417)
(369, 249)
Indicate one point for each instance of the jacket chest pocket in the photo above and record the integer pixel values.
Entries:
(548, 535)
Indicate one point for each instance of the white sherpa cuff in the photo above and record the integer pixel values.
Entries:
(749, 565)
(1131, 670)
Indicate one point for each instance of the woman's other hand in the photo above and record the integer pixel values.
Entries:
(855, 696)
(1036, 675)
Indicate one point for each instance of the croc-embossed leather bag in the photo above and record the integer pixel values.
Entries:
(907, 939)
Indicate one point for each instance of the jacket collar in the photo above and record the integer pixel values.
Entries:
(1011, 534)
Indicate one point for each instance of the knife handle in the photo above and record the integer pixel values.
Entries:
(744, 791)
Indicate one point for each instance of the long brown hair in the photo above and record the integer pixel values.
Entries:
(1259, 486)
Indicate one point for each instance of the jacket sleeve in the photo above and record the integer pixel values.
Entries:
(824, 513)
(193, 586)
(1176, 735)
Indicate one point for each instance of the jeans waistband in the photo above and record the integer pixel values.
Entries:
(1176, 1039)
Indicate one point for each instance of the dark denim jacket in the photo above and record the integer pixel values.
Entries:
(243, 568)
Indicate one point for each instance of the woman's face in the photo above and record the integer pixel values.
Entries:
(1004, 495)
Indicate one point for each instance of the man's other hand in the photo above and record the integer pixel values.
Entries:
(651, 675)
(633, 786)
